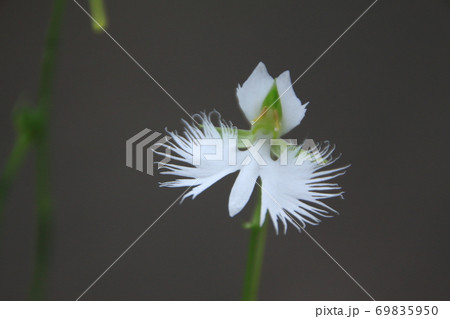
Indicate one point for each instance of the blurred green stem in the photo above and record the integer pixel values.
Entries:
(18, 153)
(255, 257)
(44, 223)
(98, 12)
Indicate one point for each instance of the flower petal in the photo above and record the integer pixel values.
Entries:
(253, 92)
(292, 193)
(207, 172)
(292, 108)
(243, 188)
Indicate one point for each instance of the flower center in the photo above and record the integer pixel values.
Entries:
(267, 123)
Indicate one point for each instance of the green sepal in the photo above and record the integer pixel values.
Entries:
(272, 100)
(271, 113)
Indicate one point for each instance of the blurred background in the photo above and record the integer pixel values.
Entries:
(380, 94)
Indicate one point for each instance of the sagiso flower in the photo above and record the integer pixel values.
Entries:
(292, 179)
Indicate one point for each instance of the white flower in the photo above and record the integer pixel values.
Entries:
(291, 192)
(253, 92)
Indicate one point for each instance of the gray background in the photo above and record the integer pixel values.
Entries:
(380, 94)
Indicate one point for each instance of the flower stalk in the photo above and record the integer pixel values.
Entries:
(255, 256)
(44, 218)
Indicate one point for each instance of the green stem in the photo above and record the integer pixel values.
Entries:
(18, 153)
(49, 58)
(44, 223)
(255, 255)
